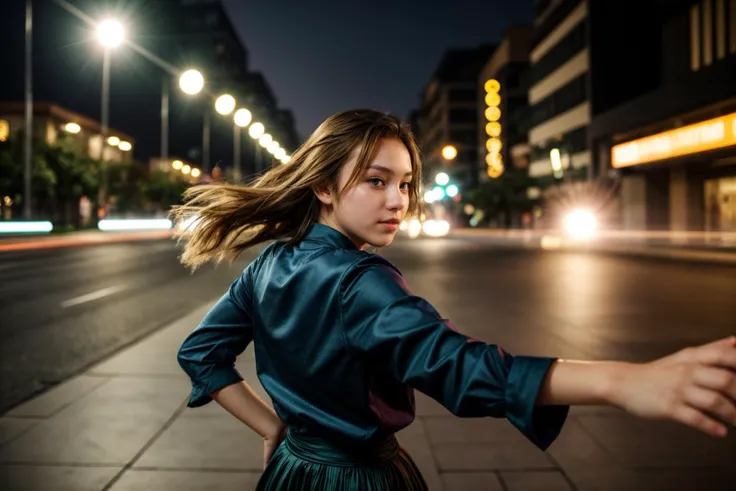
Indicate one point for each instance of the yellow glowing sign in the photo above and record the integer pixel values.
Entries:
(492, 85)
(493, 114)
(698, 137)
(493, 145)
(4, 130)
(495, 171)
(493, 129)
(493, 99)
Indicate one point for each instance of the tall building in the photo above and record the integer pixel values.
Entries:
(669, 132)
(559, 89)
(502, 106)
(447, 116)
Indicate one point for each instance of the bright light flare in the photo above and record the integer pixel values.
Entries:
(436, 228)
(580, 224)
(110, 33)
(256, 130)
(225, 104)
(191, 82)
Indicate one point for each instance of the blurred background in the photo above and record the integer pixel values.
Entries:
(580, 192)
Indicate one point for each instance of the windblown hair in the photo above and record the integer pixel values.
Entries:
(226, 219)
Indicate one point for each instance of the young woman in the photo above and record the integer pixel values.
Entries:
(341, 342)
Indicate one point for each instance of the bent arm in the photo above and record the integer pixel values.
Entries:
(240, 400)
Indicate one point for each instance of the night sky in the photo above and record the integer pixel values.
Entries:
(322, 56)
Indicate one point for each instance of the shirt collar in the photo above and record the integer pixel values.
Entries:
(327, 235)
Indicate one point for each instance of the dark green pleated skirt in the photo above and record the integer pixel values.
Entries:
(310, 463)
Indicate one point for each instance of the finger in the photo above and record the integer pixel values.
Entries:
(712, 402)
(722, 380)
(721, 353)
(696, 419)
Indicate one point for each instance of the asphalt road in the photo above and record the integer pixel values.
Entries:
(62, 310)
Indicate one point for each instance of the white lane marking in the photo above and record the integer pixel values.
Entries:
(93, 296)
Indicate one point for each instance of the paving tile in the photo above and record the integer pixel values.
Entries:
(535, 481)
(645, 444)
(55, 478)
(58, 397)
(206, 443)
(471, 481)
(138, 480)
(426, 406)
(653, 479)
(109, 426)
(574, 447)
(12, 427)
(452, 429)
(485, 457)
(462, 444)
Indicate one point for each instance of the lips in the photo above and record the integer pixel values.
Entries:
(393, 221)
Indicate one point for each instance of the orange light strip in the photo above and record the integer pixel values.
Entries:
(699, 137)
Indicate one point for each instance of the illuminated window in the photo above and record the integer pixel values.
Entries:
(732, 27)
(721, 29)
(4, 130)
(707, 33)
(695, 37)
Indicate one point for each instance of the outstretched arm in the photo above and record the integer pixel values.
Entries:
(695, 386)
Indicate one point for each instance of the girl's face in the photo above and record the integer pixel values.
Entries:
(370, 212)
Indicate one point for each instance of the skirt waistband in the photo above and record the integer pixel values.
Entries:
(322, 451)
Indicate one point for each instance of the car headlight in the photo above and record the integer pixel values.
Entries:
(580, 224)
(436, 228)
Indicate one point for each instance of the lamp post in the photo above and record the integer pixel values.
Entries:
(110, 34)
(241, 118)
(191, 82)
(256, 131)
(27, 149)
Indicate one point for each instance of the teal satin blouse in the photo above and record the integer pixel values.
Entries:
(341, 342)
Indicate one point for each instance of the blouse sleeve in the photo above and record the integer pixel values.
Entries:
(397, 331)
(208, 354)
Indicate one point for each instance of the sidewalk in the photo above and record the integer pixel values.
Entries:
(682, 246)
(123, 426)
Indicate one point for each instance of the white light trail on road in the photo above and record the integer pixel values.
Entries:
(93, 296)
(8, 227)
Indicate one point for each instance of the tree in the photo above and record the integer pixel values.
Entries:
(503, 199)
(43, 179)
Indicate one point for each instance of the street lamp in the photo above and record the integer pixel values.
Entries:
(442, 179)
(225, 104)
(110, 34)
(265, 140)
(449, 152)
(191, 82)
(125, 146)
(256, 130)
(273, 147)
(242, 117)
(113, 141)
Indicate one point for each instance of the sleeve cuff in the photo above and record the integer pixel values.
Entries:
(216, 379)
(540, 424)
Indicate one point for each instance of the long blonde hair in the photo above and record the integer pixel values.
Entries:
(229, 218)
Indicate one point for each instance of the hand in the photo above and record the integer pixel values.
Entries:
(695, 386)
(271, 443)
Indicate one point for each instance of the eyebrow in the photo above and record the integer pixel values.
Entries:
(387, 170)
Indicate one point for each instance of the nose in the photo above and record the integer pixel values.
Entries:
(396, 199)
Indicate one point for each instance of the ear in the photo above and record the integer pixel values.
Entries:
(324, 194)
